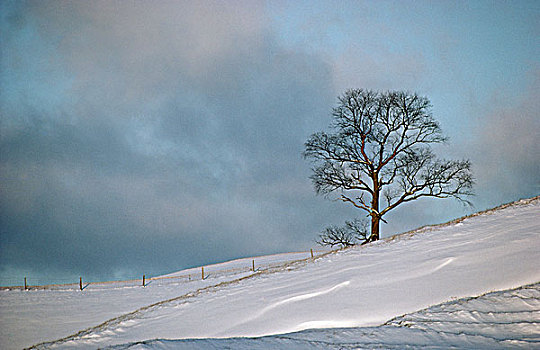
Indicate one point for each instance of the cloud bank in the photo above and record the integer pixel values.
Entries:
(151, 133)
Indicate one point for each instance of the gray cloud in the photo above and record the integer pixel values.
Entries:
(174, 139)
(505, 151)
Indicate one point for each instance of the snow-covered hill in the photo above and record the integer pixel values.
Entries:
(369, 286)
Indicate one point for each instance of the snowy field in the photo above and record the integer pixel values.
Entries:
(408, 290)
(57, 311)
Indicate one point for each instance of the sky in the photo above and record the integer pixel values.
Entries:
(146, 137)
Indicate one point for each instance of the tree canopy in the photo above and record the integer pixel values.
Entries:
(380, 146)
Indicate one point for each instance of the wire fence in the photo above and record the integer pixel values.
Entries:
(234, 267)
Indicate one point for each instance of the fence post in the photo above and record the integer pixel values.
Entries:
(25, 286)
(253, 265)
(80, 283)
(202, 272)
(311, 250)
(143, 280)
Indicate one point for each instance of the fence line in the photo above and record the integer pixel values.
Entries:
(210, 272)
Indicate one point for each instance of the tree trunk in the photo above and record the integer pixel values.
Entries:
(375, 218)
(375, 223)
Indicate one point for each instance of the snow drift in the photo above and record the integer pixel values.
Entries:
(507, 319)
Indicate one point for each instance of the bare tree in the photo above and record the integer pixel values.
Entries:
(352, 233)
(381, 145)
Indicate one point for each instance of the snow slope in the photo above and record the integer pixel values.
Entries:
(360, 287)
(58, 311)
(498, 320)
